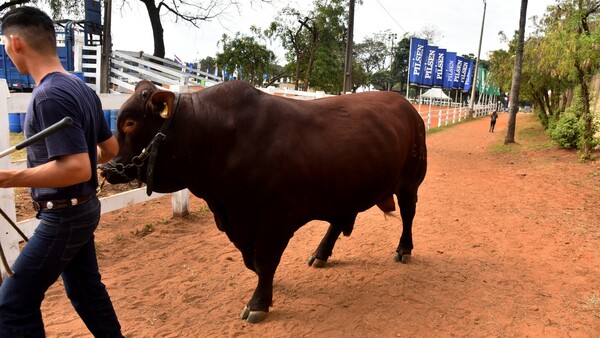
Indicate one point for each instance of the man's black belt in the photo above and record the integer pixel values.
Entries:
(60, 204)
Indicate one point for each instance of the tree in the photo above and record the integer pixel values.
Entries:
(571, 48)
(246, 55)
(58, 8)
(192, 12)
(381, 80)
(9, 4)
(372, 52)
(399, 68)
(288, 27)
(516, 77)
(386, 66)
(539, 85)
(311, 39)
(207, 64)
(359, 76)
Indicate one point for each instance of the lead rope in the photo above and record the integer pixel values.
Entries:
(160, 136)
(2, 256)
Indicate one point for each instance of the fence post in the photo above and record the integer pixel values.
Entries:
(180, 200)
(429, 119)
(9, 238)
(99, 74)
(454, 115)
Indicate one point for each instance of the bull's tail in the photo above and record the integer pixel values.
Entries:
(391, 214)
(388, 206)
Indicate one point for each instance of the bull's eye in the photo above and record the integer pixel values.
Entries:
(129, 126)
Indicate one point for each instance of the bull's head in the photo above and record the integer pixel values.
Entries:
(140, 119)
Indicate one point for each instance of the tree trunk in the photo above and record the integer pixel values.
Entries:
(297, 72)
(541, 110)
(157, 28)
(314, 31)
(516, 78)
(309, 67)
(586, 116)
(547, 101)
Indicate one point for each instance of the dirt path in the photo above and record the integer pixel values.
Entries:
(506, 244)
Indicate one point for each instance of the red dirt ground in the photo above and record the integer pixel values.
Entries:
(506, 244)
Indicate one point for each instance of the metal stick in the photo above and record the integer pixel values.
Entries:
(60, 125)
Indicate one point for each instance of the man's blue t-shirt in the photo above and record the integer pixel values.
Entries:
(59, 95)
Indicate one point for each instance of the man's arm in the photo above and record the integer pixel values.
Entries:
(62, 172)
(107, 150)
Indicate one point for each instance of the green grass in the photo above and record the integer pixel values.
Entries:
(529, 135)
(203, 209)
(501, 148)
(16, 138)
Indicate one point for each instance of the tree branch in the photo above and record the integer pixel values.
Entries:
(12, 3)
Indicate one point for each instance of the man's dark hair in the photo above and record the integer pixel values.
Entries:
(33, 25)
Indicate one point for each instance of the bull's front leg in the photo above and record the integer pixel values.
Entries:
(267, 255)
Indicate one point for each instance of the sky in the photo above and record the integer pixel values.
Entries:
(459, 24)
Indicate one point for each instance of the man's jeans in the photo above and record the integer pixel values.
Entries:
(63, 244)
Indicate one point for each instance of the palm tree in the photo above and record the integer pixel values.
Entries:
(516, 77)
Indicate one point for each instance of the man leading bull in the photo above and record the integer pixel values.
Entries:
(62, 176)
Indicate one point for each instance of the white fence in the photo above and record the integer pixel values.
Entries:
(128, 68)
(88, 61)
(437, 116)
(296, 94)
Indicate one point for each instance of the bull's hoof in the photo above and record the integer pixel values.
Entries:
(315, 262)
(403, 258)
(253, 316)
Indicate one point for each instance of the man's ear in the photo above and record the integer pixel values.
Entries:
(161, 103)
(14, 42)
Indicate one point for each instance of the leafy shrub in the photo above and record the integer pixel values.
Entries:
(570, 131)
(565, 132)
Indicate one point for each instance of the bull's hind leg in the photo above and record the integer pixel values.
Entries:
(267, 255)
(324, 251)
(407, 201)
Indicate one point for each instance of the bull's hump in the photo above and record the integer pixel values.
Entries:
(230, 94)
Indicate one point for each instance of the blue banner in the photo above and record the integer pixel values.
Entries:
(457, 71)
(449, 70)
(469, 77)
(438, 70)
(463, 73)
(427, 72)
(417, 52)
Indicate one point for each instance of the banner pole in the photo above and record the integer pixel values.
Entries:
(441, 103)
(429, 112)
(408, 70)
(420, 99)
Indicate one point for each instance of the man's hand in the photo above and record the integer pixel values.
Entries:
(107, 150)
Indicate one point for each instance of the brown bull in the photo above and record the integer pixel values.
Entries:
(267, 165)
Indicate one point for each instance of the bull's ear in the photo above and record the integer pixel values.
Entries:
(161, 103)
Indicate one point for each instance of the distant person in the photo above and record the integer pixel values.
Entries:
(493, 118)
(62, 175)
